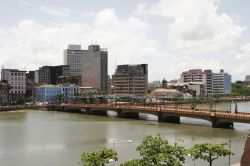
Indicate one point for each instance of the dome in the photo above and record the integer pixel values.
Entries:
(164, 92)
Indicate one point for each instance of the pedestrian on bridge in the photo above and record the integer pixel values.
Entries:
(236, 108)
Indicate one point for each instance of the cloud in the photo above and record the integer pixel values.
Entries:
(58, 11)
(33, 45)
(88, 14)
(197, 26)
(24, 2)
(169, 35)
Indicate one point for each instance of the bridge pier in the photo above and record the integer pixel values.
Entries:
(97, 112)
(221, 124)
(127, 114)
(164, 117)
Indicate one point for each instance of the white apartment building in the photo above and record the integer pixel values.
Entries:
(16, 79)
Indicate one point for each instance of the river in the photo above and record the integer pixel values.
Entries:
(38, 138)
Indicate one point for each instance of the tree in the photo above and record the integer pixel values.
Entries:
(99, 157)
(136, 162)
(156, 151)
(59, 98)
(209, 152)
(178, 98)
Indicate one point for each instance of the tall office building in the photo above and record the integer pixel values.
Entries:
(72, 57)
(214, 83)
(130, 80)
(50, 74)
(247, 79)
(95, 68)
(16, 79)
(222, 83)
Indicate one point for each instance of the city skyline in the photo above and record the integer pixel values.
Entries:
(169, 36)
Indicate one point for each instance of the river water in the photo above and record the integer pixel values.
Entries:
(38, 138)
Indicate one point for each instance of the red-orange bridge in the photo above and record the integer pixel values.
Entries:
(218, 118)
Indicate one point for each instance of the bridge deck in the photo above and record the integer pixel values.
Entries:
(237, 117)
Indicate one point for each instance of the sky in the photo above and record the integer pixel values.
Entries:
(171, 36)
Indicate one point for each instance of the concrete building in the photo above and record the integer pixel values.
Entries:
(68, 91)
(130, 80)
(197, 88)
(50, 93)
(16, 79)
(47, 93)
(194, 75)
(247, 79)
(4, 92)
(208, 82)
(222, 83)
(95, 68)
(214, 83)
(50, 74)
(73, 57)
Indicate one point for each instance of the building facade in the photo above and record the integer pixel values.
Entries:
(194, 75)
(130, 80)
(95, 68)
(213, 83)
(247, 79)
(73, 58)
(56, 93)
(47, 93)
(50, 74)
(222, 83)
(16, 79)
(4, 92)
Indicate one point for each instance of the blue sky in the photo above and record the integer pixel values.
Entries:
(170, 35)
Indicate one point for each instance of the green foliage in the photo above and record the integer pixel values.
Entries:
(58, 98)
(99, 158)
(19, 99)
(156, 151)
(178, 97)
(209, 152)
(136, 162)
(240, 90)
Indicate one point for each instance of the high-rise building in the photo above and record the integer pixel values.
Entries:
(72, 57)
(16, 79)
(208, 82)
(95, 68)
(130, 80)
(214, 83)
(50, 74)
(247, 79)
(222, 83)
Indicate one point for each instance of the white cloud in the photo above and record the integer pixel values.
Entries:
(197, 27)
(32, 44)
(240, 61)
(24, 2)
(88, 14)
(169, 35)
(58, 11)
